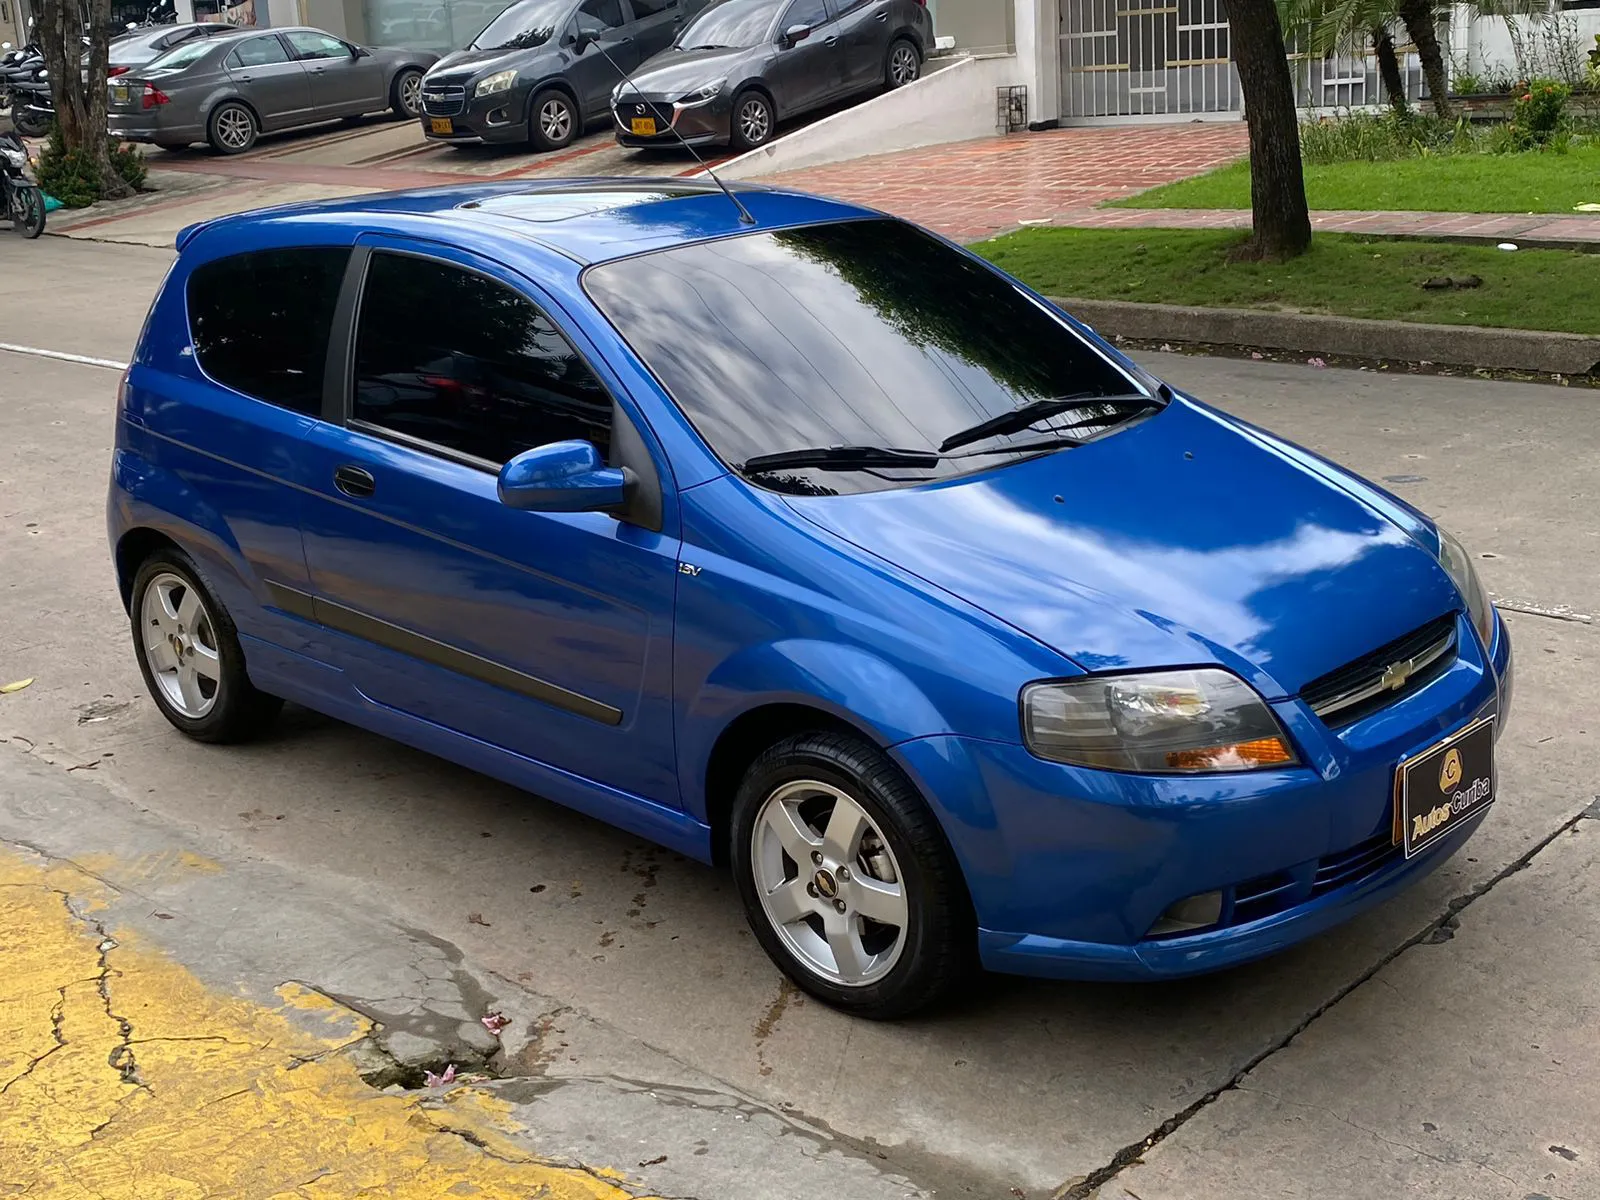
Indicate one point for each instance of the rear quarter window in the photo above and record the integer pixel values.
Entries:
(260, 322)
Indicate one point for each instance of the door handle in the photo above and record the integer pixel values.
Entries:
(355, 481)
(244, 78)
(883, 16)
(318, 70)
(832, 40)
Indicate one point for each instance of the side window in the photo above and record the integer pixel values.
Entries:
(316, 45)
(258, 52)
(597, 16)
(805, 12)
(464, 362)
(651, 8)
(260, 322)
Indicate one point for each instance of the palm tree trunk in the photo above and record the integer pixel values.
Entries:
(1280, 222)
(1418, 18)
(1389, 70)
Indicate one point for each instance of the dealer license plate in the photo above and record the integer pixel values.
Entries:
(441, 125)
(1444, 786)
(120, 93)
(643, 126)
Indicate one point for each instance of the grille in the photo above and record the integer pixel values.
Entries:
(1268, 895)
(444, 100)
(1362, 687)
(627, 110)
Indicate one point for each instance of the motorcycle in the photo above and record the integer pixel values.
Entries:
(33, 109)
(17, 64)
(20, 194)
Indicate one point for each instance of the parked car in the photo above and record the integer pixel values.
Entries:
(815, 546)
(229, 88)
(142, 44)
(528, 78)
(745, 65)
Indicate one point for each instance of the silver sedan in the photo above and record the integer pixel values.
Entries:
(229, 89)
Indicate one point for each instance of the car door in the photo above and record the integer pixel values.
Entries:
(864, 29)
(270, 80)
(809, 72)
(655, 24)
(545, 634)
(591, 73)
(344, 82)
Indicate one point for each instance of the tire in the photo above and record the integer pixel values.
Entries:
(27, 210)
(233, 128)
(753, 120)
(784, 865)
(553, 120)
(173, 611)
(902, 64)
(405, 94)
(29, 125)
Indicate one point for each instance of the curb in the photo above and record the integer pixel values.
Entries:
(1302, 333)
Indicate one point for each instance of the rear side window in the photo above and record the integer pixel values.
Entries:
(260, 322)
(258, 52)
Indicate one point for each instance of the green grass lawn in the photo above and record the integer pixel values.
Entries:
(1535, 182)
(1345, 275)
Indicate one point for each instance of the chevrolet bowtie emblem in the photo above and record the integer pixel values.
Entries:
(1396, 674)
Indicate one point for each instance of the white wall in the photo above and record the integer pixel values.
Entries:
(1038, 36)
(1484, 45)
(952, 104)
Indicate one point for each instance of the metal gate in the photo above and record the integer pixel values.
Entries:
(1131, 58)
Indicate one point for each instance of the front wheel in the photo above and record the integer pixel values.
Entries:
(405, 94)
(847, 879)
(553, 121)
(753, 120)
(27, 210)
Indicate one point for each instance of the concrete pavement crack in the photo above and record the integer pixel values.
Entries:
(1090, 1184)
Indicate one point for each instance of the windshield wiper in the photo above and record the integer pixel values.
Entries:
(1035, 411)
(840, 458)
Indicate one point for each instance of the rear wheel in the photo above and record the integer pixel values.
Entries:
(553, 120)
(232, 128)
(30, 124)
(27, 210)
(405, 94)
(753, 120)
(188, 651)
(903, 65)
(847, 879)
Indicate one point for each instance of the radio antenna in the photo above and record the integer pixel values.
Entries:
(744, 213)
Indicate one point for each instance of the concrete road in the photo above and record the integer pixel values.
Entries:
(1445, 1045)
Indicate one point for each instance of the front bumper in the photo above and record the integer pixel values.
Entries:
(698, 125)
(1070, 868)
(496, 119)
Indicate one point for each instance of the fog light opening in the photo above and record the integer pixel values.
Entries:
(498, 117)
(1189, 915)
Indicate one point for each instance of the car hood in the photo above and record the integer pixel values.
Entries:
(462, 65)
(1184, 539)
(673, 72)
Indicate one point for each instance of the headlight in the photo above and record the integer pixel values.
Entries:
(500, 81)
(1453, 557)
(1160, 722)
(701, 95)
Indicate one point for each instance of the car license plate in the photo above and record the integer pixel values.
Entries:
(442, 125)
(643, 126)
(120, 93)
(1443, 786)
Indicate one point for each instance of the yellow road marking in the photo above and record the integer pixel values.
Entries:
(122, 1077)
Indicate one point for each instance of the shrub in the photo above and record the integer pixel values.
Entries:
(1383, 137)
(1539, 118)
(73, 178)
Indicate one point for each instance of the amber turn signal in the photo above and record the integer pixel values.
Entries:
(1262, 752)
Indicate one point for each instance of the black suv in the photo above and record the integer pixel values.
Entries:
(539, 71)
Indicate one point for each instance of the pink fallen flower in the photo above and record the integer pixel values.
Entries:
(1316, 362)
(433, 1080)
(495, 1022)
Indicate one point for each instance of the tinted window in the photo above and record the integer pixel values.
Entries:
(317, 45)
(736, 23)
(651, 8)
(258, 52)
(805, 12)
(464, 362)
(260, 322)
(523, 26)
(596, 16)
(858, 333)
(180, 56)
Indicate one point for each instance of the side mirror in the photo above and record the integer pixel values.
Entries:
(360, 52)
(562, 477)
(582, 39)
(794, 35)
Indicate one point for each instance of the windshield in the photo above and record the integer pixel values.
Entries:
(861, 333)
(523, 26)
(733, 24)
(180, 56)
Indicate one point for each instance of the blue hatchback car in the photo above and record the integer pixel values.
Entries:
(793, 537)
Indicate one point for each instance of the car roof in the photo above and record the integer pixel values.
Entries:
(586, 221)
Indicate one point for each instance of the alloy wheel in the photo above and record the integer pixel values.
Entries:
(829, 883)
(555, 120)
(755, 122)
(411, 94)
(180, 644)
(903, 65)
(234, 128)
